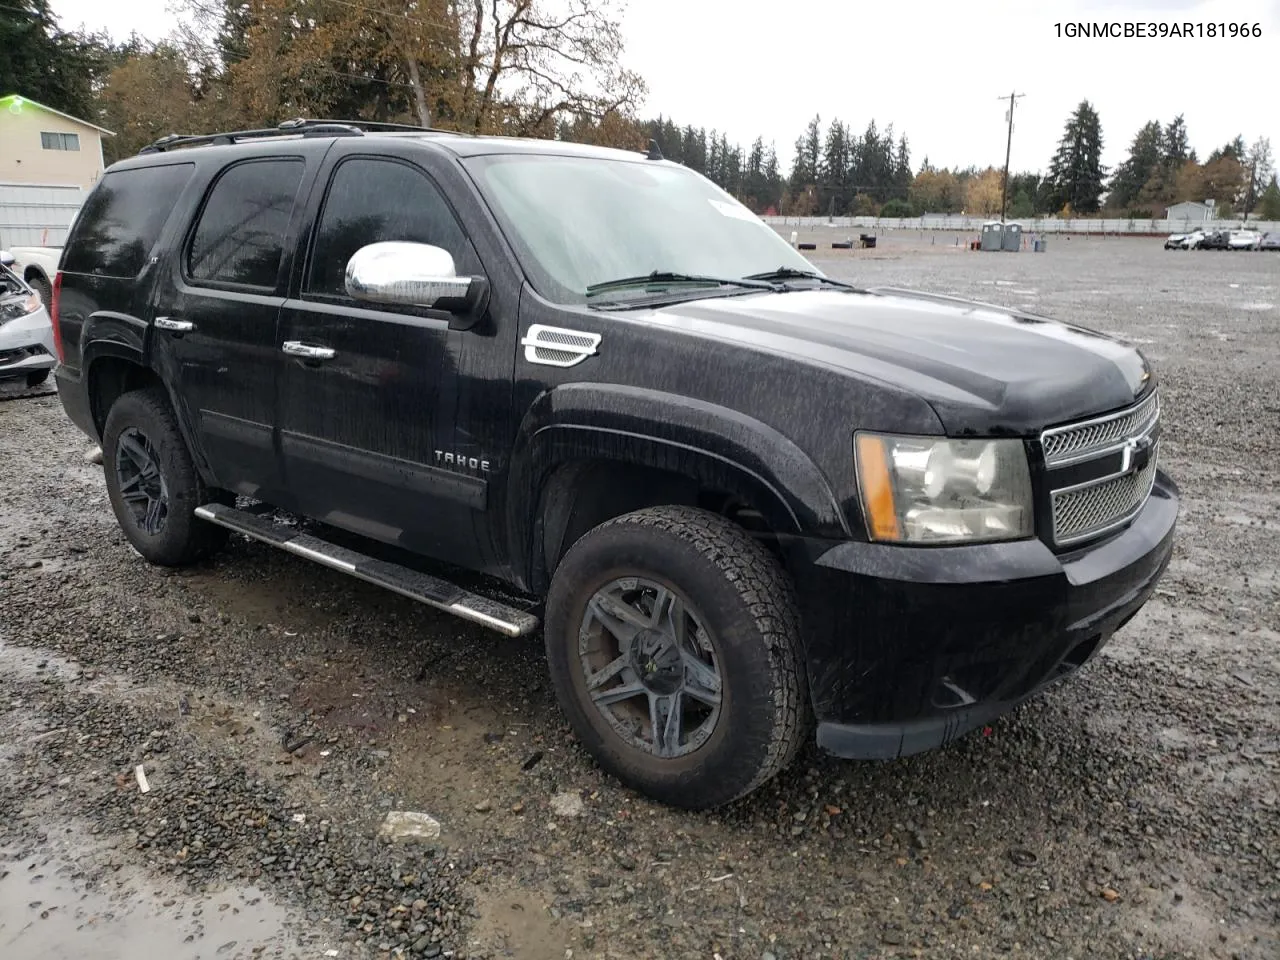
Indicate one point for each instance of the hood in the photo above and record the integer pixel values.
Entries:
(985, 370)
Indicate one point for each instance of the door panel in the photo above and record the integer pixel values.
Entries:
(370, 438)
(358, 432)
(217, 341)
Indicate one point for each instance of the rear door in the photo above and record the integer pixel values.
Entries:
(377, 436)
(215, 317)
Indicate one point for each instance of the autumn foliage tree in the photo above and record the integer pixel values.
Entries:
(982, 194)
(488, 66)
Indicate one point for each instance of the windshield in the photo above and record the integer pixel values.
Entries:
(577, 222)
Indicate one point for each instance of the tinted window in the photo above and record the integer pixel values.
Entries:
(241, 232)
(122, 218)
(374, 200)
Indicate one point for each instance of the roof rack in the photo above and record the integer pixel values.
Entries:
(298, 126)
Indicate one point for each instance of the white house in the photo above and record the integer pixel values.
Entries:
(1191, 211)
(41, 145)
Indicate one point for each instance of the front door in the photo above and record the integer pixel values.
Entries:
(215, 317)
(372, 436)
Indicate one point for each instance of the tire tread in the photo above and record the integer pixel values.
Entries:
(767, 592)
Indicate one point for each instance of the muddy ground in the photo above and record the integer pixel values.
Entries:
(279, 711)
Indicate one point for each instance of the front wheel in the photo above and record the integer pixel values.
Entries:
(673, 644)
(152, 482)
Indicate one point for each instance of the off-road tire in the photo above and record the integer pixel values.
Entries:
(745, 601)
(184, 538)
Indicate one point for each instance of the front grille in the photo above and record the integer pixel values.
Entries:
(1081, 440)
(1101, 471)
(1088, 511)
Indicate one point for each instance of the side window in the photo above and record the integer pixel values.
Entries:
(374, 200)
(240, 236)
(122, 218)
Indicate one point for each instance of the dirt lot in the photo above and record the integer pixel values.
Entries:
(1132, 813)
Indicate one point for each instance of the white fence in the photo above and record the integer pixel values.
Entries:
(37, 214)
(1033, 225)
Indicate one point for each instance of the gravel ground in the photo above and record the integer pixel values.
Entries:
(280, 711)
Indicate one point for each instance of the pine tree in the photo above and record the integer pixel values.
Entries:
(772, 178)
(902, 169)
(1146, 154)
(1076, 170)
(1269, 202)
(41, 62)
(834, 169)
(1175, 143)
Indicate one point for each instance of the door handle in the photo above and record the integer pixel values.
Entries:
(174, 325)
(296, 348)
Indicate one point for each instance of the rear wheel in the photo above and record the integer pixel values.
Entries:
(152, 482)
(673, 644)
(37, 377)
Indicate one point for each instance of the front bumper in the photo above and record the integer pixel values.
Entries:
(911, 647)
(26, 345)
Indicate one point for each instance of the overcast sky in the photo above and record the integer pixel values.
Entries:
(932, 67)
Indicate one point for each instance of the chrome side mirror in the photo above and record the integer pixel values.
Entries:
(411, 274)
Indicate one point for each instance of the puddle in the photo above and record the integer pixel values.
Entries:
(515, 924)
(51, 909)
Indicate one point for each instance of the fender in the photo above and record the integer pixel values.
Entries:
(110, 334)
(707, 442)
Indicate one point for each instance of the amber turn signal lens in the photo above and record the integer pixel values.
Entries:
(877, 489)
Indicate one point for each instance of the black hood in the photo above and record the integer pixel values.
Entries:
(984, 369)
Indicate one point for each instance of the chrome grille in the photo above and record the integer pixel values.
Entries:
(565, 338)
(1087, 511)
(558, 357)
(1094, 486)
(1082, 440)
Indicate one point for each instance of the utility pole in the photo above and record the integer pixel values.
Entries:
(1008, 149)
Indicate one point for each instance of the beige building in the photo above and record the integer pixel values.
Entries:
(41, 145)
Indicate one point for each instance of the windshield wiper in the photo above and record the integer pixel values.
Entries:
(666, 276)
(791, 273)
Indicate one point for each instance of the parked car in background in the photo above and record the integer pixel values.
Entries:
(1184, 241)
(1243, 239)
(26, 335)
(1214, 240)
(37, 266)
(1269, 241)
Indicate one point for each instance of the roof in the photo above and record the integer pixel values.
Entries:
(14, 100)
(1188, 203)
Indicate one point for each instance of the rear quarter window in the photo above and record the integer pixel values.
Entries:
(122, 218)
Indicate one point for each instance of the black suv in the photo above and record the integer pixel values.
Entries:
(736, 496)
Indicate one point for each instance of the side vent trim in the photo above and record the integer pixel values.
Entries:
(558, 347)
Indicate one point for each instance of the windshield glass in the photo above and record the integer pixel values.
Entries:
(580, 221)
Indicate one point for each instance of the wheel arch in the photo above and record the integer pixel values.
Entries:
(33, 271)
(586, 453)
(112, 366)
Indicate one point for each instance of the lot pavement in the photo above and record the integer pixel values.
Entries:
(279, 711)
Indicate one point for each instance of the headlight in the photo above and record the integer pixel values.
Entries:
(931, 490)
(18, 307)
